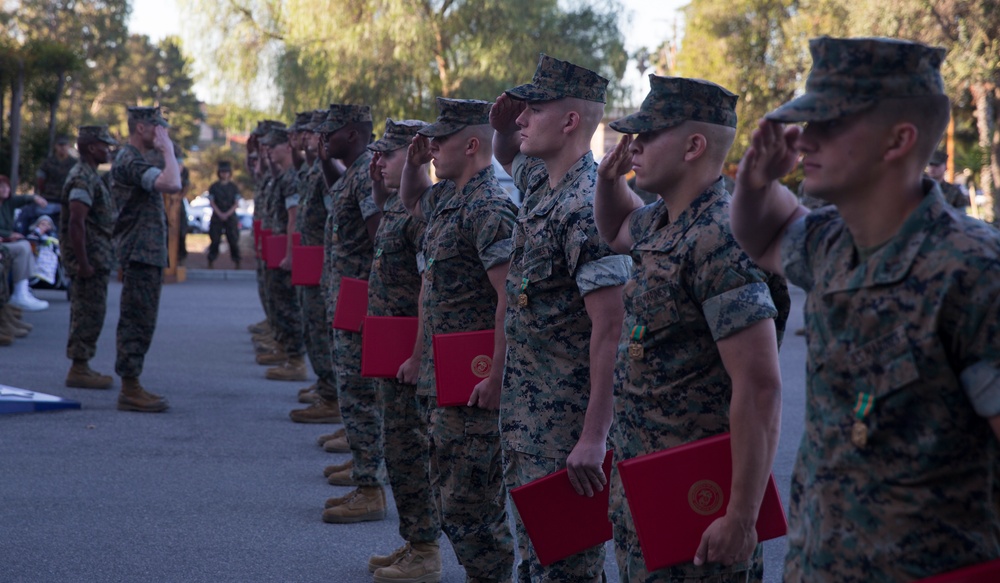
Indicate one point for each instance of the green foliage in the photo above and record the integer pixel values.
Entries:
(397, 55)
(746, 47)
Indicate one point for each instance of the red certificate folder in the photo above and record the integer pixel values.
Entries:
(461, 361)
(352, 304)
(982, 573)
(386, 343)
(559, 521)
(261, 249)
(275, 247)
(676, 493)
(307, 264)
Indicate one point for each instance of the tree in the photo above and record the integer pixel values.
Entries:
(746, 47)
(398, 55)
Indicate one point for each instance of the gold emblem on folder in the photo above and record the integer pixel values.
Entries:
(705, 497)
(482, 365)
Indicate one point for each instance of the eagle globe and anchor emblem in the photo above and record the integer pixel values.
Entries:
(481, 366)
(705, 497)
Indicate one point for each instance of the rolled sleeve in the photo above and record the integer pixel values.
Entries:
(604, 272)
(291, 201)
(739, 308)
(148, 180)
(981, 382)
(81, 195)
(496, 254)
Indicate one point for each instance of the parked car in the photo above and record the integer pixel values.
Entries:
(199, 213)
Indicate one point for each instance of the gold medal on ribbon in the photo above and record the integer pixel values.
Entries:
(636, 351)
(859, 431)
(522, 300)
(859, 434)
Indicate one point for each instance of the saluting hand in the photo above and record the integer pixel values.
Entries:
(161, 141)
(418, 152)
(617, 162)
(771, 155)
(374, 171)
(503, 115)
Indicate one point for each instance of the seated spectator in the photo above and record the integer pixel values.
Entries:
(11, 326)
(42, 235)
(14, 243)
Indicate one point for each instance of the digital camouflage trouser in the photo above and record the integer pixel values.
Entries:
(316, 334)
(140, 305)
(88, 303)
(467, 471)
(407, 459)
(361, 408)
(287, 314)
(231, 228)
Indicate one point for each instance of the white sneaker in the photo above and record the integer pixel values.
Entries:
(28, 302)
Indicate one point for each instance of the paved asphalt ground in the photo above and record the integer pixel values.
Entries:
(223, 487)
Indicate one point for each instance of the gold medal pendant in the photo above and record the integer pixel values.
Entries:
(636, 351)
(522, 300)
(859, 434)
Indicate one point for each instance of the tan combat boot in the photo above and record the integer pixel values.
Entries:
(15, 318)
(264, 347)
(258, 327)
(293, 369)
(135, 398)
(308, 394)
(376, 562)
(321, 411)
(322, 439)
(338, 444)
(363, 504)
(81, 376)
(339, 474)
(275, 357)
(421, 565)
(9, 328)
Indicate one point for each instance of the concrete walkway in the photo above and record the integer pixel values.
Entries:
(223, 487)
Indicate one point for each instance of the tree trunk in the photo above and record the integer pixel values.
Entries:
(985, 120)
(53, 108)
(3, 99)
(995, 153)
(15, 125)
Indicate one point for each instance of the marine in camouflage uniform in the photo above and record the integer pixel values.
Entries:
(349, 251)
(86, 193)
(310, 223)
(51, 175)
(224, 196)
(394, 290)
(953, 195)
(141, 234)
(692, 295)
(286, 313)
(468, 233)
(263, 184)
(895, 478)
(555, 402)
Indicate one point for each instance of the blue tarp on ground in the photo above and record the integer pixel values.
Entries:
(14, 400)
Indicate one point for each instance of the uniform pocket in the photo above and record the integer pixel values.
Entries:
(656, 309)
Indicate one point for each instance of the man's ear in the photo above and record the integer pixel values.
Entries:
(902, 138)
(695, 147)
